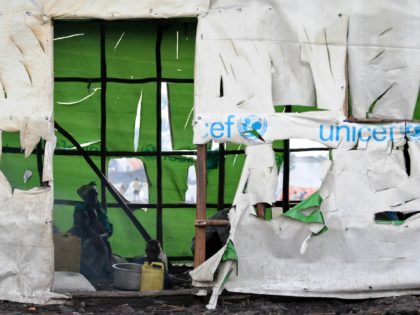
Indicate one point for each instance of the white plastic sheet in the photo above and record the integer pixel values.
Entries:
(317, 50)
(26, 244)
(355, 258)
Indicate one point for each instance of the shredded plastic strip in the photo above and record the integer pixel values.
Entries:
(313, 201)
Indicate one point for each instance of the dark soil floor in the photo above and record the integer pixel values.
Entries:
(243, 304)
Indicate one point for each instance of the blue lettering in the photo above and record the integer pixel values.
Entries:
(217, 127)
(391, 133)
(228, 124)
(380, 131)
(353, 135)
(337, 135)
(360, 134)
(330, 138)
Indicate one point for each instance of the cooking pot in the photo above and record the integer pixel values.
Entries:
(127, 276)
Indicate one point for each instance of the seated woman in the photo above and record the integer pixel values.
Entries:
(91, 224)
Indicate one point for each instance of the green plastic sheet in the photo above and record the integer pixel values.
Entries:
(312, 204)
(130, 49)
(230, 252)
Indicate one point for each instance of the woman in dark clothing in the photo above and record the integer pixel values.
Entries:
(91, 224)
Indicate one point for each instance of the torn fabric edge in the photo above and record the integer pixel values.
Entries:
(312, 205)
(26, 228)
(326, 128)
(47, 172)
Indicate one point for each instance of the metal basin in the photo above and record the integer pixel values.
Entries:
(127, 276)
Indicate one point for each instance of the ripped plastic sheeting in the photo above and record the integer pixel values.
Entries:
(254, 128)
(137, 123)
(383, 54)
(385, 68)
(26, 243)
(259, 175)
(26, 72)
(329, 266)
(414, 153)
(350, 259)
(243, 70)
(325, 127)
(47, 170)
(379, 181)
(328, 64)
(317, 51)
(387, 83)
(308, 210)
(123, 9)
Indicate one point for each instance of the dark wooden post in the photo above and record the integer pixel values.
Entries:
(200, 231)
(286, 169)
(261, 210)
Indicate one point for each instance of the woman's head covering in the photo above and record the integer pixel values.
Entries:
(85, 190)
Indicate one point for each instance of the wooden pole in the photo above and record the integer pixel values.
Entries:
(200, 231)
(261, 210)
(211, 222)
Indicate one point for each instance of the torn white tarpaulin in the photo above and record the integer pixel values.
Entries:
(26, 244)
(257, 183)
(414, 153)
(47, 171)
(240, 70)
(26, 72)
(123, 9)
(259, 175)
(325, 127)
(308, 44)
(384, 67)
(354, 258)
(26, 68)
(328, 63)
(320, 53)
(250, 128)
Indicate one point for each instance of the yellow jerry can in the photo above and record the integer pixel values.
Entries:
(152, 275)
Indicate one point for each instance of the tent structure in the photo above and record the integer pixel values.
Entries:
(85, 83)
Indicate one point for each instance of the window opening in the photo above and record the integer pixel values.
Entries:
(191, 193)
(307, 169)
(395, 217)
(166, 122)
(166, 57)
(129, 176)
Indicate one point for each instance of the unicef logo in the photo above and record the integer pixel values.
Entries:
(411, 131)
(252, 127)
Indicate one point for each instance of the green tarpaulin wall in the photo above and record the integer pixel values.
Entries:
(130, 55)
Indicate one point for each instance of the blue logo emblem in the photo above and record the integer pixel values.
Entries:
(411, 131)
(252, 127)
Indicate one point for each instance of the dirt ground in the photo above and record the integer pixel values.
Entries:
(228, 304)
